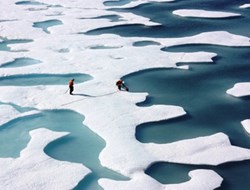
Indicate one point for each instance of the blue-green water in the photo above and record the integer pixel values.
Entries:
(46, 24)
(20, 62)
(80, 146)
(4, 44)
(145, 43)
(116, 3)
(35, 3)
(29, 3)
(42, 79)
(17, 107)
(112, 18)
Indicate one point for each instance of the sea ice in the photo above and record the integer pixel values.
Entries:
(240, 89)
(112, 114)
(203, 13)
(246, 125)
(9, 113)
(245, 6)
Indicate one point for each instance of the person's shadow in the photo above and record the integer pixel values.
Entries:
(86, 95)
(90, 96)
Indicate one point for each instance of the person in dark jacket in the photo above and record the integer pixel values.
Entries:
(71, 86)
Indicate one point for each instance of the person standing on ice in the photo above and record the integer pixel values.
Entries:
(71, 86)
(120, 84)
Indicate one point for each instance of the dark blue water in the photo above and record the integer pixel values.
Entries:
(116, 3)
(236, 175)
(176, 26)
(80, 146)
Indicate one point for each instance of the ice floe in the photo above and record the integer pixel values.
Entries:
(203, 13)
(198, 150)
(216, 38)
(246, 125)
(240, 89)
(245, 6)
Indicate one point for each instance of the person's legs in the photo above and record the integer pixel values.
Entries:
(71, 89)
(124, 87)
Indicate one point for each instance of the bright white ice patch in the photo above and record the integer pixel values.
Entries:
(246, 125)
(8, 113)
(240, 89)
(203, 13)
(245, 6)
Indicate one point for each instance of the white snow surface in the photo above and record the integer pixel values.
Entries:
(203, 13)
(246, 125)
(9, 113)
(112, 114)
(240, 89)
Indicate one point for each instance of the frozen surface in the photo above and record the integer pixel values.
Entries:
(203, 13)
(110, 113)
(8, 113)
(240, 89)
(197, 151)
